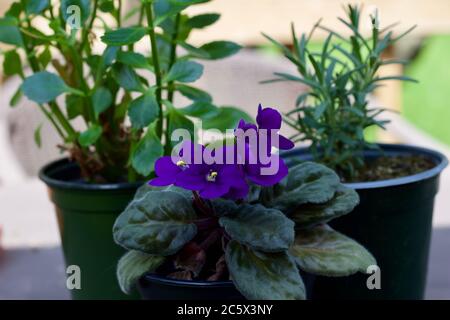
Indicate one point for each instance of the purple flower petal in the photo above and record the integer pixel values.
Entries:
(214, 190)
(284, 143)
(268, 118)
(255, 174)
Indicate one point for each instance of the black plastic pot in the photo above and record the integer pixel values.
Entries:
(394, 222)
(155, 287)
(86, 214)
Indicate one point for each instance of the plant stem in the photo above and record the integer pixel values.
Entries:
(173, 55)
(90, 25)
(156, 65)
(119, 14)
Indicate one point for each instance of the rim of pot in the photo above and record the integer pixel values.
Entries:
(48, 172)
(439, 158)
(155, 278)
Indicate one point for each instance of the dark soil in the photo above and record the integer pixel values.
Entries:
(383, 168)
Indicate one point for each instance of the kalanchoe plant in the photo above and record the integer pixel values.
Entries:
(221, 221)
(335, 111)
(88, 51)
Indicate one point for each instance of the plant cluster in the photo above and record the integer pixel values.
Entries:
(223, 221)
(125, 97)
(335, 112)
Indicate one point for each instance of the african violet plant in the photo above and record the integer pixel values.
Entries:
(203, 220)
(89, 52)
(335, 112)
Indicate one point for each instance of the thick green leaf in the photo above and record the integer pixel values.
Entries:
(12, 64)
(15, 10)
(200, 109)
(15, 99)
(185, 71)
(36, 6)
(261, 228)
(127, 78)
(264, 276)
(148, 150)
(37, 136)
(178, 121)
(220, 49)
(90, 136)
(67, 11)
(43, 87)
(203, 20)
(310, 214)
(307, 182)
(134, 60)
(324, 251)
(133, 265)
(226, 118)
(9, 32)
(144, 110)
(194, 94)
(101, 100)
(45, 57)
(158, 223)
(106, 6)
(74, 106)
(124, 36)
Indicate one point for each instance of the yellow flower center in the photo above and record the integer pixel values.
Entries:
(211, 177)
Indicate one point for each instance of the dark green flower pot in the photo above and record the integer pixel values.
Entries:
(86, 214)
(394, 222)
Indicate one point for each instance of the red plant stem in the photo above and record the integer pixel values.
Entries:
(201, 204)
(211, 239)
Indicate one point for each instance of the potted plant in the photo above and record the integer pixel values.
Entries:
(87, 51)
(396, 183)
(226, 229)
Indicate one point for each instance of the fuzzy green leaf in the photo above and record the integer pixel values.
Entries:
(185, 71)
(124, 36)
(260, 228)
(157, 223)
(178, 121)
(101, 100)
(264, 276)
(324, 251)
(148, 150)
(133, 265)
(220, 49)
(144, 110)
(307, 182)
(43, 87)
(90, 136)
(310, 214)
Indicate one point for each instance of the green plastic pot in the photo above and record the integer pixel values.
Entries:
(394, 222)
(86, 214)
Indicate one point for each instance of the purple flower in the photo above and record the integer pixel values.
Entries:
(270, 119)
(214, 180)
(168, 168)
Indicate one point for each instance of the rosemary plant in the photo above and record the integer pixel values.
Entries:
(335, 112)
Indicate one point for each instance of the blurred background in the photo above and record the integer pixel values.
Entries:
(31, 265)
